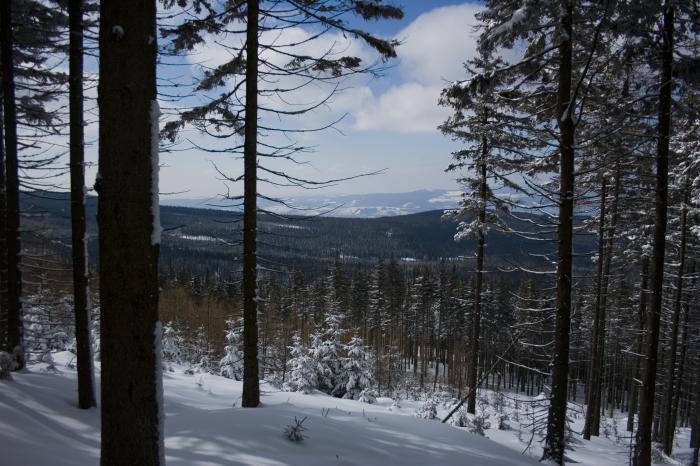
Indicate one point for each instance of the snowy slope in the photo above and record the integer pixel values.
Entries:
(41, 425)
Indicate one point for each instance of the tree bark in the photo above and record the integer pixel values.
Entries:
(669, 419)
(3, 243)
(251, 384)
(127, 184)
(86, 390)
(476, 317)
(634, 396)
(555, 440)
(607, 237)
(12, 234)
(648, 392)
(595, 367)
(695, 434)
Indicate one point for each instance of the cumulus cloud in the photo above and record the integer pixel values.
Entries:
(435, 47)
(437, 43)
(406, 108)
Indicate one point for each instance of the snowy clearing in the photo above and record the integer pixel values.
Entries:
(41, 424)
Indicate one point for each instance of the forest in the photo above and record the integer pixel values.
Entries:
(560, 294)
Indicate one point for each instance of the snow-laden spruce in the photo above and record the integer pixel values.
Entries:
(172, 343)
(303, 375)
(326, 351)
(356, 374)
(231, 365)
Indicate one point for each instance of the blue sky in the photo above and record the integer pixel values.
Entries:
(391, 121)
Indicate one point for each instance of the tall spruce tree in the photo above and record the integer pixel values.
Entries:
(11, 178)
(659, 29)
(493, 152)
(554, 77)
(129, 228)
(86, 386)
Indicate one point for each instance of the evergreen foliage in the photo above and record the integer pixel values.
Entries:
(231, 365)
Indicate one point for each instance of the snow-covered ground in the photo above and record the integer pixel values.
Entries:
(40, 424)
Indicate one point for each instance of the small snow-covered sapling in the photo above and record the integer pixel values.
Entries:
(295, 432)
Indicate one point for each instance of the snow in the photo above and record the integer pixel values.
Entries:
(517, 18)
(40, 423)
(197, 237)
(158, 349)
(155, 168)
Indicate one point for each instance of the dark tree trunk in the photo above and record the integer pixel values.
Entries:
(686, 343)
(555, 440)
(595, 366)
(251, 384)
(86, 388)
(607, 237)
(648, 392)
(634, 396)
(437, 351)
(127, 184)
(669, 419)
(695, 434)
(12, 239)
(476, 317)
(681, 373)
(3, 243)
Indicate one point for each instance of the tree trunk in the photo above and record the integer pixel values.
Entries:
(476, 317)
(555, 440)
(695, 434)
(86, 390)
(634, 396)
(437, 350)
(595, 367)
(3, 243)
(669, 427)
(681, 372)
(251, 384)
(128, 218)
(602, 302)
(12, 235)
(646, 404)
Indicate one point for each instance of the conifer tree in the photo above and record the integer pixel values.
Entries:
(493, 152)
(86, 389)
(129, 229)
(303, 374)
(553, 79)
(11, 191)
(355, 375)
(231, 365)
(172, 343)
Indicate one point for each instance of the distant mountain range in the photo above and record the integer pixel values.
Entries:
(207, 239)
(349, 205)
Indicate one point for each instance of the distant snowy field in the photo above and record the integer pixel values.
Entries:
(40, 424)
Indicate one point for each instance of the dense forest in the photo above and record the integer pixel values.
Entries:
(568, 272)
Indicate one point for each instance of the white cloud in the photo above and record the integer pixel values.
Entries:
(404, 102)
(437, 43)
(435, 47)
(406, 108)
